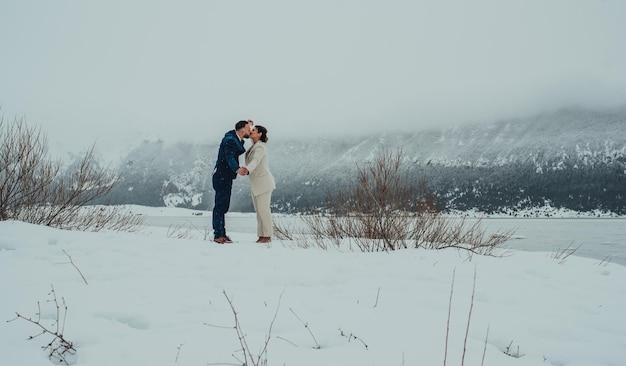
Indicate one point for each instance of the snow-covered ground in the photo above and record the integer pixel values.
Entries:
(149, 298)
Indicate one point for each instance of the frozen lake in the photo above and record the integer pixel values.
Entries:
(599, 238)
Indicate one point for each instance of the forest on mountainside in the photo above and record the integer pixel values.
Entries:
(572, 159)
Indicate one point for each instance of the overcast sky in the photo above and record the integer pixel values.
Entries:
(117, 72)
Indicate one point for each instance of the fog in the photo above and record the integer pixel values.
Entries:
(119, 72)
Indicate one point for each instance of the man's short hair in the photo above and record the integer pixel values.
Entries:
(241, 124)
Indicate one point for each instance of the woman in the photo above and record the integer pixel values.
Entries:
(261, 183)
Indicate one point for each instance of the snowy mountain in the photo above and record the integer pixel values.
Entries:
(571, 158)
(555, 138)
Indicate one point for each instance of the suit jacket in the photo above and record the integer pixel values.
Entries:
(261, 180)
(228, 156)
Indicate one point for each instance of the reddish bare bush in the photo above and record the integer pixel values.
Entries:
(383, 211)
(34, 188)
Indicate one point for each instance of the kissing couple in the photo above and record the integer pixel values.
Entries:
(256, 167)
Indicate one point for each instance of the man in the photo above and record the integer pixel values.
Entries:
(226, 169)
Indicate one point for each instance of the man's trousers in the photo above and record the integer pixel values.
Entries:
(223, 188)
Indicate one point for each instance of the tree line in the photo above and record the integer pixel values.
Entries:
(157, 174)
(154, 173)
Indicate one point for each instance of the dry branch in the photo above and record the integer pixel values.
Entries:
(78, 269)
(384, 212)
(249, 357)
(306, 325)
(59, 348)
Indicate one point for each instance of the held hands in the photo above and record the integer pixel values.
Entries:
(243, 171)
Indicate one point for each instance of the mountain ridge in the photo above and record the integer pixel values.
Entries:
(571, 153)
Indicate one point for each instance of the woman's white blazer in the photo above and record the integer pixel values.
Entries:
(261, 180)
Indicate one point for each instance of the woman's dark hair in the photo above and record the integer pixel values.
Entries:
(263, 131)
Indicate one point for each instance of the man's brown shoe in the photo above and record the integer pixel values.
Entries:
(227, 239)
(221, 240)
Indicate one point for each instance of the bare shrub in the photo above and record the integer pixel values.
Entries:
(384, 211)
(436, 231)
(188, 231)
(378, 207)
(281, 230)
(96, 218)
(562, 254)
(513, 352)
(35, 189)
(317, 232)
(24, 172)
(250, 358)
(59, 348)
(178, 232)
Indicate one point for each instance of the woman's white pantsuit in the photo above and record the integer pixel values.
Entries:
(261, 184)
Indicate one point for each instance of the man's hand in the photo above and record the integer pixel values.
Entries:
(242, 171)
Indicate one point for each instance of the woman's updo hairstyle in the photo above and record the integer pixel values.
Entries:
(263, 131)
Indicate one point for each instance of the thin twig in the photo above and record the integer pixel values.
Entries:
(469, 318)
(245, 349)
(269, 331)
(306, 325)
(562, 254)
(605, 261)
(352, 336)
(286, 340)
(377, 295)
(445, 355)
(72, 262)
(178, 352)
(485, 349)
(219, 326)
(240, 335)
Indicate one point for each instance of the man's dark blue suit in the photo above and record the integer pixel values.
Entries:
(223, 175)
